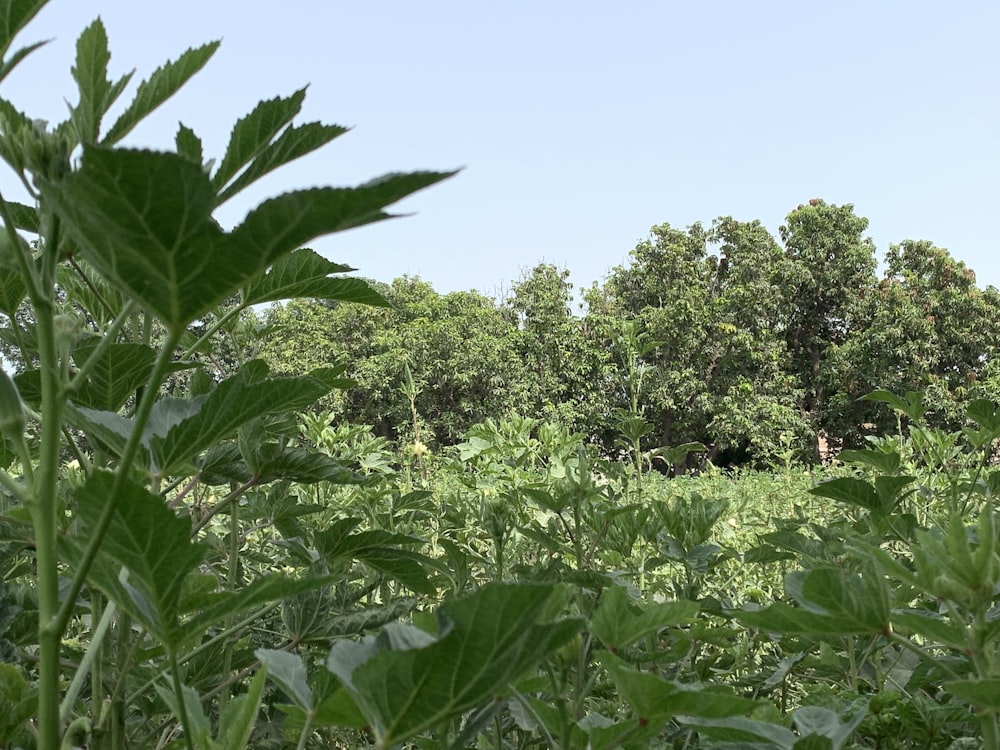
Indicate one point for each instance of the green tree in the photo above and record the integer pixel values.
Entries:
(926, 326)
(566, 371)
(832, 266)
(719, 370)
(459, 348)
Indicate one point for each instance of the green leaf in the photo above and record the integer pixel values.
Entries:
(782, 618)
(293, 143)
(14, 16)
(487, 639)
(235, 401)
(886, 463)
(263, 590)
(289, 672)
(618, 624)
(652, 697)
(255, 131)
(305, 467)
(143, 220)
(240, 716)
(12, 62)
(820, 722)
(305, 273)
(160, 86)
(200, 727)
(861, 600)
(148, 540)
(189, 144)
(24, 217)
(986, 413)
(984, 694)
(116, 374)
(912, 405)
(743, 731)
(91, 76)
(12, 293)
(285, 223)
(850, 490)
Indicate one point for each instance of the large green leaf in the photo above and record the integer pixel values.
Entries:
(782, 618)
(255, 131)
(862, 600)
(305, 273)
(984, 694)
(160, 86)
(294, 142)
(852, 491)
(383, 550)
(143, 219)
(617, 623)
(151, 543)
(24, 217)
(405, 685)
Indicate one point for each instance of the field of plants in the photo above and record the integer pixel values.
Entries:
(197, 552)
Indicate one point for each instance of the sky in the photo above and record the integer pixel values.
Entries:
(580, 125)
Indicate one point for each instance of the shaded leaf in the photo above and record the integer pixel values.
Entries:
(188, 144)
(151, 542)
(618, 623)
(652, 697)
(116, 374)
(984, 694)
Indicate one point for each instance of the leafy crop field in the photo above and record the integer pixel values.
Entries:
(193, 554)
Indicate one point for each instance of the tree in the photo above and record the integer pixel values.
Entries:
(719, 367)
(832, 264)
(926, 326)
(459, 349)
(566, 371)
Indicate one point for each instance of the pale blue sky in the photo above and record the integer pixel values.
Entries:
(581, 124)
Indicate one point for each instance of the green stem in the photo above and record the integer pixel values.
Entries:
(223, 635)
(212, 330)
(44, 510)
(988, 724)
(231, 581)
(157, 376)
(181, 705)
(89, 657)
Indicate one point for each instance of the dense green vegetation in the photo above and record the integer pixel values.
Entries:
(722, 336)
(479, 544)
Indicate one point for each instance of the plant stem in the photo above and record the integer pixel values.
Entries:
(44, 510)
(181, 705)
(89, 657)
(125, 465)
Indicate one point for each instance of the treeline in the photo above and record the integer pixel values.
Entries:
(753, 345)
